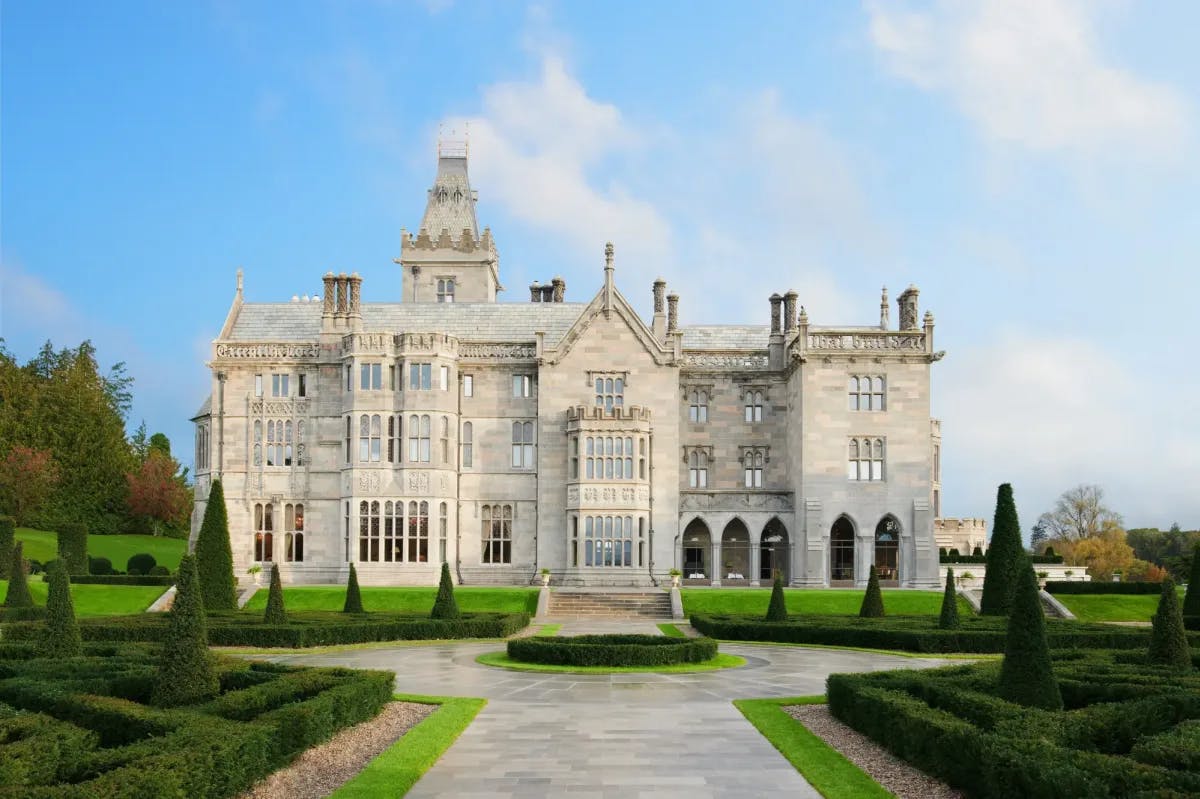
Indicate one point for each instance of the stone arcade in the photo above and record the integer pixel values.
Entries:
(576, 436)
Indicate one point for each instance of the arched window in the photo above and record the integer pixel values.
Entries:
(445, 289)
(264, 533)
(393, 531)
(754, 406)
(865, 459)
(368, 531)
(445, 439)
(393, 438)
(522, 445)
(418, 532)
(867, 392)
(589, 460)
(641, 459)
(468, 445)
(753, 466)
(497, 533)
(698, 469)
(348, 424)
(610, 393)
(293, 537)
(698, 407)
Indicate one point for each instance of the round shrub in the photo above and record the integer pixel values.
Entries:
(134, 572)
(612, 650)
(36, 566)
(99, 565)
(142, 561)
(159, 571)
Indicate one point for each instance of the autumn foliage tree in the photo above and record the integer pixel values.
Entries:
(28, 477)
(157, 493)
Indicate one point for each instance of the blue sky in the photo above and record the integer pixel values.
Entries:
(1030, 164)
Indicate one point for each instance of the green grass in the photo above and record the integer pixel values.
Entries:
(1111, 607)
(809, 601)
(548, 631)
(42, 545)
(897, 652)
(399, 767)
(404, 600)
(97, 600)
(822, 765)
(671, 631)
(503, 661)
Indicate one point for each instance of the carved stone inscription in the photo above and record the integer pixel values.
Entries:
(269, 351)
(500, 351)
(720, 361)
(867, 341)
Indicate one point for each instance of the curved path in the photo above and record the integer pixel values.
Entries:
(614, 735)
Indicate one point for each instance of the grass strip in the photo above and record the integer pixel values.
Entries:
(399, 767)
(897, 652)
(824, 767)
(548, 631)
(335, 648)
(670, 630)
(503, 661)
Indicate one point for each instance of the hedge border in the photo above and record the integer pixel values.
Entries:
(1073, 587)
(612, 650)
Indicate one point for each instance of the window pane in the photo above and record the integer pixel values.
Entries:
(468, 385)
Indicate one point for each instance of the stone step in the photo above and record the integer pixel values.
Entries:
(610, 605)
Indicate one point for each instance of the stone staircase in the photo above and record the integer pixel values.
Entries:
(565, 603)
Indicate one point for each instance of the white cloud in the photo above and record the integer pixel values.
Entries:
(1030, 73)
(28, 302)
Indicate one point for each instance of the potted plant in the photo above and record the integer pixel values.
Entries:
(1042, 579)
(965, 578)
(254, 571)
(675, 575)
(545, 577)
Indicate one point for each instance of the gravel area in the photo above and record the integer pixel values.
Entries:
(320, 771)
(885, 768)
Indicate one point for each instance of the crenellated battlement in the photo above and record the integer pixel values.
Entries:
(630, 413)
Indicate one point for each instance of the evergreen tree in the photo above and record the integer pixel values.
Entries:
(62, 631)
(214, 559)
(949, 618)
(1005, 556)
(185, 670)
(275, 613)
(18, 595)
(72, 547)
(444, 607)
(1026, 677)
(872, 604)
(8, 526)
(353, 597)
(777, 610)
(1168, 641)
(1191, 599)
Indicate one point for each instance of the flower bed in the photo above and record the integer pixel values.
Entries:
(612, 650)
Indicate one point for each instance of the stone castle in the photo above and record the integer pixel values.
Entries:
(578, 437)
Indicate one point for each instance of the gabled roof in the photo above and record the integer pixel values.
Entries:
(205, 409)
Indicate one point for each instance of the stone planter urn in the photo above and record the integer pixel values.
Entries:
(675, 575)
(545, 577)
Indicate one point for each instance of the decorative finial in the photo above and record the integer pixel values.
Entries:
(240, 275)
(608, 255)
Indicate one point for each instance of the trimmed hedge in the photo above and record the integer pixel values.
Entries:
(1069, 587)
(123, 579)
(612, 650)
(8, 527)
(1035, 559)
(72, 546)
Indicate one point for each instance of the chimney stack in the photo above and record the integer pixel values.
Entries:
(535, 292)
(672, 312)
(789, 311)
(559, 288)
(908, 308)
(775, 301)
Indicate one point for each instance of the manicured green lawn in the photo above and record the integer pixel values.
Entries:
(671, 631)
(97, 600)
(42, 545)
(1112, 607)
(503, 661)
(828, 771)
(821, 601)
(405, 600)
(548, 630)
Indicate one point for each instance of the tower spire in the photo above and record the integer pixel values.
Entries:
(608, 276)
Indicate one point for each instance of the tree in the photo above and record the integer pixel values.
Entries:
(185, 669)
(1079, 513)
(62, 631)
(872, 604)
(1168, 641)
(72, 547)
(275, 613)
(444, 606)
(157, 492)
(1026, 676)
(28, 478)
(949, 619)
(18, 595)
(353, 603)
(7, 537)
(1039, 536)
(1005, 553)
(214, 559)
(1104, 553)
(777, 610)
(1191, 600)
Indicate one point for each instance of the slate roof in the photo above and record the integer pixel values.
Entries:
(205, 409)
(726, 337)
(451, 204)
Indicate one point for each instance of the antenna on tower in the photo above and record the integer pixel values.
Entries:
(452, 146)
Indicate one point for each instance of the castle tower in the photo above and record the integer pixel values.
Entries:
(449, 260)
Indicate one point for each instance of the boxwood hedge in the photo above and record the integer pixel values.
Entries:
(1071, 587)
(612, 650)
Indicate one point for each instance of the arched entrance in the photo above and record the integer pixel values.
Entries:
(774, 552)
(697, 551)
(887, 549)
(841, 550)
(735, 551)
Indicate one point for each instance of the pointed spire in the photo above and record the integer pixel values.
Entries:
(451, 203)
(883, 310)
(608, 276)
(240, 278)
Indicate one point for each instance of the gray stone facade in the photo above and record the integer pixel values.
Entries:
(510, 437)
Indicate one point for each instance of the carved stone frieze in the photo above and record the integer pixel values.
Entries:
(736, 500)
(369, 482)
(498, 351)
(609, 496)
(426, 342)
(367, 343)
(710, 360)
(903, 342)
(269, 351)
(279, 407)
(418, 482)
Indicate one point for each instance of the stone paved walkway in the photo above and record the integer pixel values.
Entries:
(618, 735)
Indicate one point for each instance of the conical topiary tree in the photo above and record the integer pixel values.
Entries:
(1004, 556)
(62, 631)
(18, 595)
(1191, 599)
(949, 618)
(72, 547)
(777, 610)
(214, 560)
(275, 613)
(1026, 677)
(353, 602)
(8, 529)
(872, 604)
(1168, 641)
(444, 607)
(185, 669)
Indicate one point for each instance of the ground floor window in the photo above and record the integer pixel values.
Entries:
(841, 550)
(608, 541)
(264, 532)
(497, 533)
(293, 532)
(387, 534)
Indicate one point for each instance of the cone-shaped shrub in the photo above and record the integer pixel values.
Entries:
(777, 610)
(18, 595)
(1191, 599)
(214, 560)
(8, 528)
(1025, 676)
(275, 613)
(1005, 557)
(62, 631)
(444, 607)
(872, 604)
(949, 618)
(353, 597)
(1168, 641)
(72, 547)
(185, 669)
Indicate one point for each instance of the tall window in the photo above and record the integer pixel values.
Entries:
(867, 393)
(444, 378)
(301, 385)
(264, 532)
(443, 527)
(279, 441)
(497, 533)
(349, 378)
(445, 289)
(368, 531)
(370, 437)
(418, 439)
(522, 445)
(445, 439)
(293, 533)
(279, 385)
(608, 541)
(698, 469)
(754, 406)
(394, 438)
(698, 407)
(202, 441)
(610, 393)
(468, 445)
(752, 463)
(393, 531)
(348, 424)
(866, 459)
(468, 385)
(370, 376)
(608, 457)
(574, 457)
(522, 385)
(418, 532)
(420, 376)
(641, 459)
(258, 385)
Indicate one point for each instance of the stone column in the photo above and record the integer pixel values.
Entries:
(883, 310)
(672, 312)
(327, 310)
(715, 564)
(660, 288)
(343, 298)
(355, 294)
(789, 311)
(755, 563)
(775, 301)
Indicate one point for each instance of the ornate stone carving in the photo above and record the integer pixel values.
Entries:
(713, 501)
(380, 343)
(269, 351)
(369, 482)
(911, 342)
(708, 360)
(498, 351)
(418, 482)
(573, 495)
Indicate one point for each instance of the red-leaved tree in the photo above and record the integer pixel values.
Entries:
(157, 493)
(27, 478)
